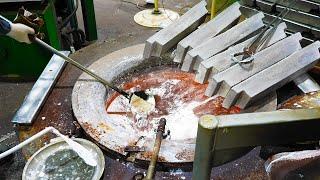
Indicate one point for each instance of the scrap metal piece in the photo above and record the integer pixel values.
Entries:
(207, 31)
(168, 37)
(222, 82)
(221, 61)
(226, 39)
(273, 77)
(39, 92)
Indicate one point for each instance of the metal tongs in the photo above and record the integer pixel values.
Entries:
(249, 51)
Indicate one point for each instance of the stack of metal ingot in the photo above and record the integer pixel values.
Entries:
(285, 56)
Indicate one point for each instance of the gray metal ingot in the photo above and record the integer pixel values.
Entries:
(207, 31)
(221, 42)
(222, 82)
(273, 77)
(221, 139)
(222, 61)
(168, 37)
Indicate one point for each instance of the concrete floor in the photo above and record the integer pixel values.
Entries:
(116, 30)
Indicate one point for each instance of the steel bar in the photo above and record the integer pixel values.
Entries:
(156, 149)
(84, 69)
(40, 90)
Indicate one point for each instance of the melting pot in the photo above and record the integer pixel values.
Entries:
(106, 116)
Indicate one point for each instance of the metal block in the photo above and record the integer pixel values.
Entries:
(222, 61)
(226, 39)
(301, 5)
(209, 30)
(306, 83)
(222, 82)
(273, 77)
(168, 37)
(40, 90)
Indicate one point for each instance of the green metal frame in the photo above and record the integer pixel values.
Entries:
(22, 61)
(224, 138)
(89, 20)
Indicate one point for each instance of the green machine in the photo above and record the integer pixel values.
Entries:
(20, 61)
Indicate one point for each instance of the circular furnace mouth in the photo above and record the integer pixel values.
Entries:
(106, 116)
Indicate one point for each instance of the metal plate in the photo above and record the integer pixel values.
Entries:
(88, 103)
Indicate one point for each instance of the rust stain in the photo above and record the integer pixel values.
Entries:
(105, 127)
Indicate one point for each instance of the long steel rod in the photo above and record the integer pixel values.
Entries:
(156, 149)
(81, 67)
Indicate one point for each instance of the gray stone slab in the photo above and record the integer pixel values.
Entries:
(222, 82)
(168, 37)
(221, 42)
(273, 77)
(210, 29)
(222, 61)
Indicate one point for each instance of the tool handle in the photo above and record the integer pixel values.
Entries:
(78, 65)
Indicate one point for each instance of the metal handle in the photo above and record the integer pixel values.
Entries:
(78, 65)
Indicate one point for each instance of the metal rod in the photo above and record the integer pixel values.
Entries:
(81, 67)
(204, 154)
(156, 149)
(156, 7)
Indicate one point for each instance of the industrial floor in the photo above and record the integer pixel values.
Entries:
(116, 30)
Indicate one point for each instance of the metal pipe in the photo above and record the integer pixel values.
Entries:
(156, 149)
(156, 7)
(204, 153)
(78, 65)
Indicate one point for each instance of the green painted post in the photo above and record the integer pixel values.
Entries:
(89, 20)
(203, 159)
(50, 20)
